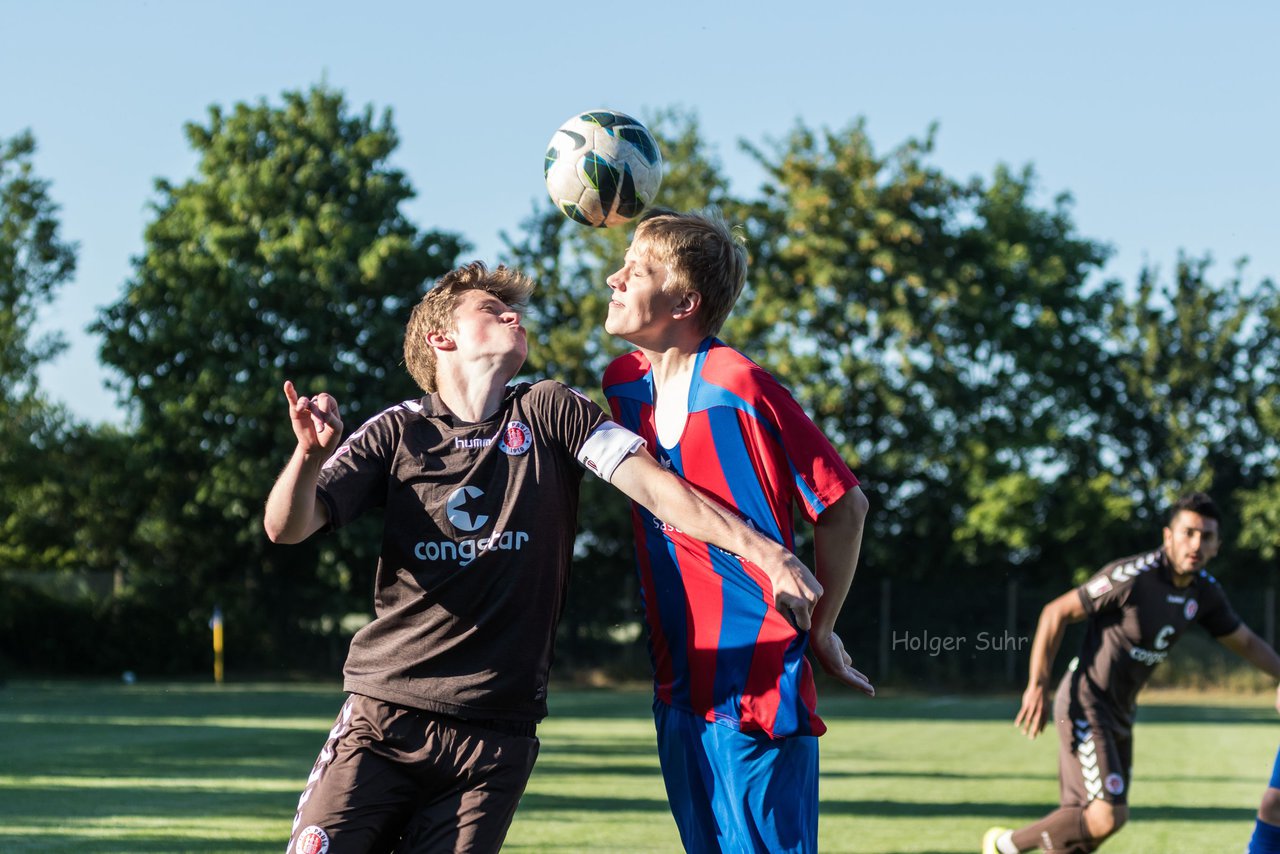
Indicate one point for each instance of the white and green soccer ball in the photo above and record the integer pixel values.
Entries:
(602, 168)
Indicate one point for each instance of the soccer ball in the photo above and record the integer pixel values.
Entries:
(602, 168)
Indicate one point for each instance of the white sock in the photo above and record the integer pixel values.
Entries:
(1004, 844)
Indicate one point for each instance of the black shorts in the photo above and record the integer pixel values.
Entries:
(391, 778)
(1095, 755)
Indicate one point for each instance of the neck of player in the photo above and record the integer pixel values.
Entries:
(473, 390)
(672, 366)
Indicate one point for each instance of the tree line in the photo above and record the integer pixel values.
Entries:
(1011, 414)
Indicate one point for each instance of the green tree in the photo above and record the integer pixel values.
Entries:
(1197, 396)
(285, 257)
(34, 262)
(1259, 503)
(944, 334)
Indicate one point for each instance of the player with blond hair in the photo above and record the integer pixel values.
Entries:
(735, 703)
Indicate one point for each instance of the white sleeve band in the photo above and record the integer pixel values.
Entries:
(606, 448)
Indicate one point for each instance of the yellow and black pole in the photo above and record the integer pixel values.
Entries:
(216, 624)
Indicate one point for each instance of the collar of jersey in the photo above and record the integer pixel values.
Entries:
(433, 407)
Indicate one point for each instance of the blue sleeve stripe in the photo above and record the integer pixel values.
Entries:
(810, 497)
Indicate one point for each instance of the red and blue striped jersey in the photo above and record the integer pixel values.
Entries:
(719, 648)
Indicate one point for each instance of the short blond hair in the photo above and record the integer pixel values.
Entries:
(434, 312)
(701, 254)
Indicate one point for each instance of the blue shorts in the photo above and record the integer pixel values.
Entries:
(1275, 772)
(736, 791)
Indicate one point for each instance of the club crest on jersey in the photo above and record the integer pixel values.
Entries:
(1099, 586)
(1190, 609)
(312, 840)
(516, 439)
(1114, 783)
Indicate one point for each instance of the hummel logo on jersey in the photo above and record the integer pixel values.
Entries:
(464, 514)
(472, 443)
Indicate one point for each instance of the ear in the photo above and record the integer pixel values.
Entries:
(688, 305)
(441, 341)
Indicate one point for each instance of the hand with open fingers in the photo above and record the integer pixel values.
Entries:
(316, 421)
(1034, 713)
(831, 654)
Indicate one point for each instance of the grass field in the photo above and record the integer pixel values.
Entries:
(92, 767)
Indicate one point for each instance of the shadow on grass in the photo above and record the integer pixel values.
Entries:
(1168, 812)
(95, 802)
(1265, 715)
(1023, 813)
(535, 802)
(843, 710)
(549, 765)
(1051, 775)
(557, 745)
(955, 809)
(160, 751)
(56, 843)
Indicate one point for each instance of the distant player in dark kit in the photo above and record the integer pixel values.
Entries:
(735, 705)
(1137, 607)
(478, 481)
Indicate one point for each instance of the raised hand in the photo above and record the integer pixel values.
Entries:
(315, 420)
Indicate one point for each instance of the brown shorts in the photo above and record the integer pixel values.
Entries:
(396, 779)
(1095, 754)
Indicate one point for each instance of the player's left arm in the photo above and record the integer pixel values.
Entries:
(1253, 649)
(640, 478)
(837, 542)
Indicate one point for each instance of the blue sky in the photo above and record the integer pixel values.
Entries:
(1161, 119)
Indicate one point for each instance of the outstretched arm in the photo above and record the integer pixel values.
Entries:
(640, 478)
(292, 512)
(1036, 702)
(837, 544)
(1253, 649)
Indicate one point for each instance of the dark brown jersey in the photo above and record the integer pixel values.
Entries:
(1136, 615)
(477, 539)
